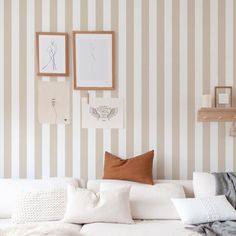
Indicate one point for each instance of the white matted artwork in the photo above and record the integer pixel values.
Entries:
(52, 52)
(93, 60)
(106, 113)
(54, 102)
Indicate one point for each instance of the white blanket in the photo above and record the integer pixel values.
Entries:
(42, 229)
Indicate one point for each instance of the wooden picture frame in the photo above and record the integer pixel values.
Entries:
(52, 54)
(94, 60)
(223, 96)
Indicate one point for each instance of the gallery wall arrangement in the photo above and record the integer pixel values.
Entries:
(168, 53)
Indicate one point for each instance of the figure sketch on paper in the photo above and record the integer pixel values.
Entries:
(103, 113)
(92, 55)
(52, 51)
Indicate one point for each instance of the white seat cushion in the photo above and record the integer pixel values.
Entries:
(140, 228)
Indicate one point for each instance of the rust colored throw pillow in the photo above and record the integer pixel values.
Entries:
(137, 169)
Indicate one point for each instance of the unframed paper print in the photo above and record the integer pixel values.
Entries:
(54, 102)
(102, 113)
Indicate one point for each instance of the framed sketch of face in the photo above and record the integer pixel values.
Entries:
(94, 63)
(52, 54)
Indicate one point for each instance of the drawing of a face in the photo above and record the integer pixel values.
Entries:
(103, 113)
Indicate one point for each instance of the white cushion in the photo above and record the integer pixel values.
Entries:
(140, 228)
(204, 210)
(84, 206)
(150, 202)
(10, 187)
(41, 205)
(204, 184)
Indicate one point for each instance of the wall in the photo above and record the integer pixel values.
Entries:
(168, 53)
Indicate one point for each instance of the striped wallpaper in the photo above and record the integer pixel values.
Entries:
(168, 53)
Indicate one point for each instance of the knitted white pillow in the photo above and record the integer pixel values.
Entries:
(39, 205)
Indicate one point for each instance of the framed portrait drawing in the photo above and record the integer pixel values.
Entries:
(52, 54)
(94, 63)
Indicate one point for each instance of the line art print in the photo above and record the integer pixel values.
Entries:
(52, 49)
(106, 113)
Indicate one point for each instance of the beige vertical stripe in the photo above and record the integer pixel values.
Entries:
(206, 81)
(22, 88)
(68, 128)
(221, 71)
(175, 91)
(53, 128)
(130, 78)
(84, 132)
(7, 89)
(160, 89)
(99, 132)
(114, 94)
(145, 76)
(99, 27)
(38, 127)
(191, 89)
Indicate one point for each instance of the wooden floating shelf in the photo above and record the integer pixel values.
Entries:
(217, 114)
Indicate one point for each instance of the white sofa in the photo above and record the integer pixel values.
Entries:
(140, 228)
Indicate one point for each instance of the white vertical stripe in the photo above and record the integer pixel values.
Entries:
(153, 81)
(107, 94)
(1, 88)
(168, 89)
(61, 165)
(45, 127)
(214, 81)
(229, 58)
(30, 90)
(92, 131)
(122, 72)
(198, 81)
(76, 103)
(61, 150)
(137, 77)
(15, 89)
(183, 76)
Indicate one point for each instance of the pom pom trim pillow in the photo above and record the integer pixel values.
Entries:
(204, 210)
(85, 206)
(137, 169)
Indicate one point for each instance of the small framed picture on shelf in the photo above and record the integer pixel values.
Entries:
(52, 53)
(223, 96)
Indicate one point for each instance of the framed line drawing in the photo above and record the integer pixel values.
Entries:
(94, 60)
(52, 54)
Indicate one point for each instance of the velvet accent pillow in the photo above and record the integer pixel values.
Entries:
(137, 169)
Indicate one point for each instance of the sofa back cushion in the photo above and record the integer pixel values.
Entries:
(204, 184)
(150, 202)
(9, 189)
